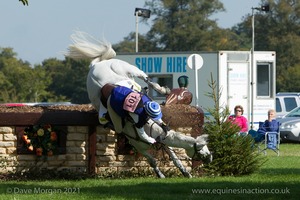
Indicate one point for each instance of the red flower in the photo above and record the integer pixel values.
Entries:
(28, 141)
(24, 137)
(53, 136)
(39, 151)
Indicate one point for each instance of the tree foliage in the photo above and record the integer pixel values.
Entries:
(277, 30)
(177, 26)
(189, 21)
(187, 26)
(233, 154)
(53, 81)
(17, 83)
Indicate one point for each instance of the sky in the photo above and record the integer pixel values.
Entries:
(42, 30)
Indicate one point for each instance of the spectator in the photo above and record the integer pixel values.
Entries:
(238, 119)
(270, 125)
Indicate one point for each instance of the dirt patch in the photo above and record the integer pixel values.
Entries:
(52, 108)
(181, 115)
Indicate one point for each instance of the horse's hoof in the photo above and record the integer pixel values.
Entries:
(160, 175)
(186, 174)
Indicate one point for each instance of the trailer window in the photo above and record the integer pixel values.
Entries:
(264, 80)
(162, 80)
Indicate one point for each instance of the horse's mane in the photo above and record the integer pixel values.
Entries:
(86, 46)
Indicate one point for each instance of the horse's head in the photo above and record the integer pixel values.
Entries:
(200, 150)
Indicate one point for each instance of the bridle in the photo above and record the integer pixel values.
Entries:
(137, 138)
(194, 157)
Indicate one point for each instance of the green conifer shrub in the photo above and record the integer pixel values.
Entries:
(233, 155)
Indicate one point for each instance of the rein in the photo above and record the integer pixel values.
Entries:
(150, 134)
(195, 153)
(137, 138)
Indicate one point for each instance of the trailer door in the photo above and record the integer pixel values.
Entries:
(238, 86)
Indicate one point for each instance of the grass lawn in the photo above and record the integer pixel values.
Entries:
(279, 178)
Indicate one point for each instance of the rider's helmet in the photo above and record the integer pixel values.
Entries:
(153, 110)
(183, 81)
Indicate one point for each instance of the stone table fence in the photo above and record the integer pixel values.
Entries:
(82, 144)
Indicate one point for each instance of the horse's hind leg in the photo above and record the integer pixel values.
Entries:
(177, 162)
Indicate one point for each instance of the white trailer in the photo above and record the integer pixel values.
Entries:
(230, 69)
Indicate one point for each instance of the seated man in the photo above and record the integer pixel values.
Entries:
(270, 125)
(136, 107)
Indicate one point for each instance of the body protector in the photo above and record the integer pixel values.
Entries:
(123, 101)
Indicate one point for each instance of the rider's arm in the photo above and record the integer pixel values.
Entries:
(160, 89)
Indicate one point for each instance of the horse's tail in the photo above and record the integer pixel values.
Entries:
(87, 47)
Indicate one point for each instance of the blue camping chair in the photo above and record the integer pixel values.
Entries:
(271, 141)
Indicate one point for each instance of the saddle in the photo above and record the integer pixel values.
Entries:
(105, 93)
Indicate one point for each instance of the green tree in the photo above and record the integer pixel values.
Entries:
(277, 30)
(39, 85)
(186, 26)
(182, 26)
(233, 155)
(68, 79)
(17, 77)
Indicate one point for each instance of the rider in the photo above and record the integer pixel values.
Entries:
(102, 115)
(136, 107)
(180, 95)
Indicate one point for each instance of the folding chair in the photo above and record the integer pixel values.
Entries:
(271, 141)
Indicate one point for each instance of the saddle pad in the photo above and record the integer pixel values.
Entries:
(131, 101)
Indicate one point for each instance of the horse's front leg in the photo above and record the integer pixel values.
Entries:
(153, 164)
(142, 148)
(177, 162)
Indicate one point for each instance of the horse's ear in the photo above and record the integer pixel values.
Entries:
(202, 139)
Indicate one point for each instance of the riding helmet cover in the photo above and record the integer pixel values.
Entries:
(153, 110)
(183, 81)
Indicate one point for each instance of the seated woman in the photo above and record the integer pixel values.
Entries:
(270, 125)
(239, 119)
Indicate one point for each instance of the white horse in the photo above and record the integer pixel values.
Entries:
(103, 70)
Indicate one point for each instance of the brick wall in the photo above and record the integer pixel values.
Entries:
(77, 156)
(107, 159)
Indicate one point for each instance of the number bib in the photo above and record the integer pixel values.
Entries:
(131, 101)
